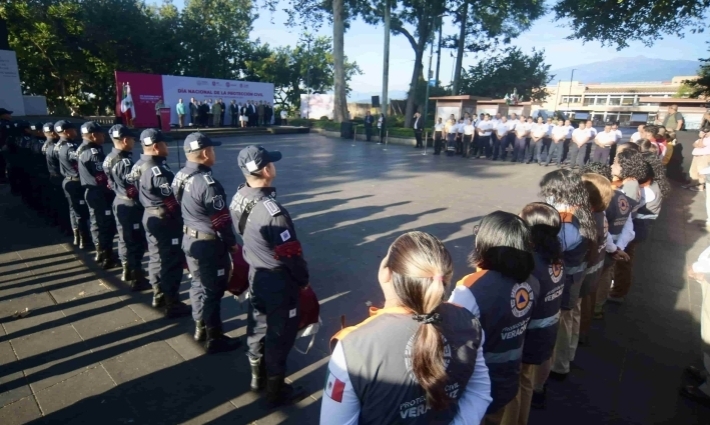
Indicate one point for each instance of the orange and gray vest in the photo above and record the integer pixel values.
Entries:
(378, 353)
(542, 330)
(506, 307)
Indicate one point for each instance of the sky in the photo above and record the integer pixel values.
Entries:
(364, 44)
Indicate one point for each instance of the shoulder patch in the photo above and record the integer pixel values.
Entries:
(94, 151)
(126, 161)
(208, 179)
(156, 171)
(165, 189)
(272, 207)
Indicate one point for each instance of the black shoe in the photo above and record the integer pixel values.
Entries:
(279, 393)
(558, 376)
(174, 308)
(694, 393)
(218, 342)
(539, 398)
(138, 280)
(258, 374)
(200, 332)
(77, 237)
(126, 274)
(696, 374)
(83, 241)
(158, 299)
(109, 261)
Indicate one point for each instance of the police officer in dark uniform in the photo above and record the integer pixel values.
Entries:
(23, 163)
(162, 222)
(58, 203)
(5, 129)
(277, 272)
(208, 238)
(39, 176)
(65, 152)
(126, 208)
(13, 157)
(94, 181)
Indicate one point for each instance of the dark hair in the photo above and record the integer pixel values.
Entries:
(421, 270)
(503, 244)
(653, 129)
(632, 165)
(647, 146)
(600, 191)
(597, 168)
(545, 224)
(656, 171)
(566, 187)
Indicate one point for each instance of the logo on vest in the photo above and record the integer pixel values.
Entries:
(521, 297)
(623, 205)
(555, 272)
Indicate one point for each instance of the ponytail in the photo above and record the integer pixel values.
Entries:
(421, 269)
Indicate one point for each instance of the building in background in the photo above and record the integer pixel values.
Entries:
(626, 103)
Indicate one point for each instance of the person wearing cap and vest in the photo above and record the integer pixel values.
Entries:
(58, 201)
(162, 223)
(208, 238)
(126, 208)
(5, 127)
(277, 273)
(65, 152)
(418, 360)
(502, 294)
(95, 183)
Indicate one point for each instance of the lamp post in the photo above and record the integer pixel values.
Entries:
(569, 94)
(386, 61)
(428, 80)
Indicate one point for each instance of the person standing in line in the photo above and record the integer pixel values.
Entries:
(568, 140)
(674, 120)
(578, 149)
(277, 274)
(459, 137)
(369, 121)
(468, 131)
(439, 129)
(162, 222)
(284, 121)
(216, 114)
(602, 145)
(484, 128)
(58, 201)
(559, 134)
(260, 110)
(98, 195)
(537, 134)
(450, 131)
(222, 110)
(432, 349)
(418, 129)
(126, 208)
(522, 130)
(500, 139)
(158, 106)
(65, 150)
(382, 127)
(234, 114)
(180, 109)
(193, 112)
(638, 135)
(619, 140)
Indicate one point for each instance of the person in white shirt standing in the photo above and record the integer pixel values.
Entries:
(638, 135)
(559, 134)
(468, 131)
(537, 133)
(459, 137)
(451, 136)
(484, 129)
(521, 140)
(499, 139)
(602, 145)
(578, 147)
(619, 136)
(439, 128)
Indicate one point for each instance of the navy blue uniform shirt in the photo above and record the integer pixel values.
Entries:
(52, 156)
(66, 153)
(155, 184)
(118, 166)
(91, 160)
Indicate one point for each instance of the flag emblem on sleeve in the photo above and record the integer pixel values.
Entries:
(334, 388)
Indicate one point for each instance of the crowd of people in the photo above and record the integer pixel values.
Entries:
(206, 113)
(540, 275)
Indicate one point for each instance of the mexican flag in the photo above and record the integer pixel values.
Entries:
(334, 388)
(128, 109)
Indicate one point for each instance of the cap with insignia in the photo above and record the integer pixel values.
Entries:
(196, 141)
(4, 111)
(62, 125)
(119, 131)
(91, 127)
(254, 158)
(48, 127)
(152, 136)
(21, 125)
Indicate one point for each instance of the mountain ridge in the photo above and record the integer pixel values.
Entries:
(627, 70)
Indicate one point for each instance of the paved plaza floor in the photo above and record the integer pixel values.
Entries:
(91, 352)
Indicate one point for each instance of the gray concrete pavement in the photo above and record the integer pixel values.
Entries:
(91, 352)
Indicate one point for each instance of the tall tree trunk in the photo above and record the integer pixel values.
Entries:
(462, 41)
(340, 100)
(414, 83)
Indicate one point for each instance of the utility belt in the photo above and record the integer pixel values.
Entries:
(123, 197)
(72, 179)
(159, 211)
(195, 234)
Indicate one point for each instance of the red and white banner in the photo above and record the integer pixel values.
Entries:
(137, 95)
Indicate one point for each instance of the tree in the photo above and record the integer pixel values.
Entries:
(701, 85)
(631, 20)
(502, 74)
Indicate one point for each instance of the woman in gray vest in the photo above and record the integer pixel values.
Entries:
(502, 293)
(416, 361)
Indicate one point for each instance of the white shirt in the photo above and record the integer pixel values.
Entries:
(459, 127)
(580, 135)
(560, 132)
(415, 123)
(635, 137)
(452, 128)
(539, 130)
(469, 129)
(502, 128)
(439, 127)
(495, 121)
(522, 129)
(618, 134)
(592, 131)
(512, 124)
(472, 405)
(283, 114)
(606, 139)
(486, 127)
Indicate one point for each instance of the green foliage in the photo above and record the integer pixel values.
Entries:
(701, 85)
(500, 75)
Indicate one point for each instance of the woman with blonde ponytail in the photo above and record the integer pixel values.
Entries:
(418, 360)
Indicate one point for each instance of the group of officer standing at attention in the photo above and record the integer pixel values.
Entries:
(483, 357)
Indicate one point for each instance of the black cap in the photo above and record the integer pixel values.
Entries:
(36, 126)
(4, 111)
(91, 127)
(254, 158)
(62, 125)
(21, 125)
(152, 136)
(120, 131)
(48, 127)
(196, 141)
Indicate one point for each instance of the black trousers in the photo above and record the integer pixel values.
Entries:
(165, 254)
(418, 136)
(131, 236)
(519, 149)
(101, 218)
(437, 142)
(368, 133)
(78, 211)
(496, 143)
(467, 139)
(209, 264)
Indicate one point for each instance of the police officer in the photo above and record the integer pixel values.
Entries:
(39, 176)
(94, 181)
(14, 157)
(277, 272)
(5, 128)
(23, 166)
(58, 203)
(208, 238)
(162, 222)
(65, 152)
(127, 210)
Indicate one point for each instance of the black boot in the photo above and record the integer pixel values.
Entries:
(126, 274)
(138, 281)
(174, 308)
(109, 260)
(83, 241)
(200, 332)
(258, 374)
(158, 299)
(100, 256)
(218, 342)
(77, 237)
(279, 393)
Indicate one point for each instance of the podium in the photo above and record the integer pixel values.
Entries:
(165, 119)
